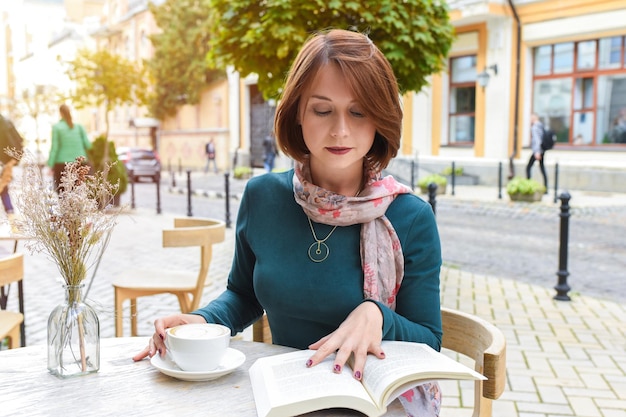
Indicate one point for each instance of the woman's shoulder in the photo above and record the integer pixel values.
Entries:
(407, 207)
(407, 200)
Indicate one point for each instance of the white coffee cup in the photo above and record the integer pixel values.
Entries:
(197, 347)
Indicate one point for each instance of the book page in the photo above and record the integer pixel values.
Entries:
(405, 362)
(284, 386)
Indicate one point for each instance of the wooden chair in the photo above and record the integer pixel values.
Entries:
(483, 342)
(188, 287)
(11, 270)
(463, 333)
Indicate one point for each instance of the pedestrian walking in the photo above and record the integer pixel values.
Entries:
(69, 141)
(11, 139)
(269, 146)
(209, 151)
(538, 153)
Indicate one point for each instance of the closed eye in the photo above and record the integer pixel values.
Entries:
(321, 113)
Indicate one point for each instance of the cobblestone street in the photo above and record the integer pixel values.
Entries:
(500, 262)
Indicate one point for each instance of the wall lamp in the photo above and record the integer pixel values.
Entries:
(483, 77)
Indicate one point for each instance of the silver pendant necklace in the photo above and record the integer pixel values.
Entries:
(319, 251)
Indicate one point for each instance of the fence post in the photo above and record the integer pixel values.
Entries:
(562, 288)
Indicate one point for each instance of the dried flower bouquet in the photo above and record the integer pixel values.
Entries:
(72, 226)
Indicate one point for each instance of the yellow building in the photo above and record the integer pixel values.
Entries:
(562, 59)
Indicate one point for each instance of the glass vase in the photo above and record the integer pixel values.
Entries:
(73, 336)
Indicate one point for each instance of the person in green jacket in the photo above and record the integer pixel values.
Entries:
(69, 141)
(338, 256)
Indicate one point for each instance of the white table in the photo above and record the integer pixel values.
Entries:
(124, 387)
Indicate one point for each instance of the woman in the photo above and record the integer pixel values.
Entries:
(337, 256)
(69, 141)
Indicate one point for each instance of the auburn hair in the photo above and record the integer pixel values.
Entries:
(370, 77)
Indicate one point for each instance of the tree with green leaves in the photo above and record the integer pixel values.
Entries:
(105, 79)
(179, 66)
(263, 37)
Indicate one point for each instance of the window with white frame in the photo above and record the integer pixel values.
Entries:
(579, 90)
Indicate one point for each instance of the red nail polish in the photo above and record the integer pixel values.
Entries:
(309, 363)
(382, 354)
(337, 368)
(357, 375)
(161, 336)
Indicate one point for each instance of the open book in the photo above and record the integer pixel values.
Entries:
(284, 386)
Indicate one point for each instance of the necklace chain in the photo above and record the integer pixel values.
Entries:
(319, 250)
(315, 236)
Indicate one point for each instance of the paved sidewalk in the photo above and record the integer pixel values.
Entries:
(563, 358)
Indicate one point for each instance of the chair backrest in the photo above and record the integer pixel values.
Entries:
(483, 342)
(195, 231)
(11, 268)
(463, 333)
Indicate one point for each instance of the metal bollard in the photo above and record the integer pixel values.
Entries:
(432, 196)
(158, 193)
(556, 180)
(500, 180)
(562, 288)
(413, 175)
(132, 188)
(227, 192)
(453, 177)
(189, 213)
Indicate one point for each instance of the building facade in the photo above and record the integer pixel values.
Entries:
(562, 59)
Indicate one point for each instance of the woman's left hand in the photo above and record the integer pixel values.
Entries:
(359, 334)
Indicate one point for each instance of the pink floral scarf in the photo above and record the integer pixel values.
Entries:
(381, 251)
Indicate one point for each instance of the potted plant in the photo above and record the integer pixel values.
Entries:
(438, 179)
(117, 171)
(522, 189)
(460, 176)
(242, 172)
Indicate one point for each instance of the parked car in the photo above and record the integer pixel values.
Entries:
(140, 163)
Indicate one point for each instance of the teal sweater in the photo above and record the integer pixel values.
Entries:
(67, 143)
(304, 300)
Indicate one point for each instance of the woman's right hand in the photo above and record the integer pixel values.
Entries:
(157, 341)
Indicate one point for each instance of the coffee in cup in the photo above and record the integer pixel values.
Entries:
(197, 347)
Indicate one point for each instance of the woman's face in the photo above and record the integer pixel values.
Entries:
(335, 130)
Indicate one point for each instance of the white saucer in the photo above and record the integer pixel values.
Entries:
(231, 361)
